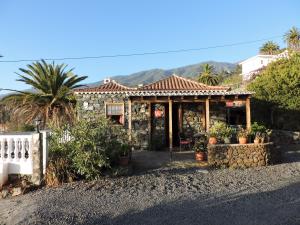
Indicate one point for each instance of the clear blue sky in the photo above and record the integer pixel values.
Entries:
(56, 28)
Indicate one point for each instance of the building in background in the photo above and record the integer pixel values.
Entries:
(255, 64)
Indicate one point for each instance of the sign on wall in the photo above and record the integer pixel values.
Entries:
(238, 103)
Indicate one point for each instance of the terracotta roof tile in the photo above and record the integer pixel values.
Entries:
(176, 83)
(111, 86)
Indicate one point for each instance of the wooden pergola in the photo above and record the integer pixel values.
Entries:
(206, 100)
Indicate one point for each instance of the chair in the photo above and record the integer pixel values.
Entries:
(184, 142)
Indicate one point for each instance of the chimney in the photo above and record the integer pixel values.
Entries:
(106, 80)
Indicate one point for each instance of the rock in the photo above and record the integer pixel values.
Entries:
(16, 191)
(4, 193)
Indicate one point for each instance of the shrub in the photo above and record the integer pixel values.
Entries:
(88, 147)
(221, 130)
(257, 128)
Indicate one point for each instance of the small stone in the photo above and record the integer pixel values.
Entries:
(4, 193)
(16, 191)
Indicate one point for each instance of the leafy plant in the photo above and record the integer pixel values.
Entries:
(221, 130)
(243, 133)
(90, 146)
(200, 145)
(52, 99)
(257, 130)
(207, 75)
(269, 48)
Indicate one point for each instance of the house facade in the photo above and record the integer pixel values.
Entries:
(155, 114)
(255, 64)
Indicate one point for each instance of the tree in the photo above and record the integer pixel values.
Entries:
(279, 83)
(207, 76)
(51, 100)
(269, 48)
(292, 38)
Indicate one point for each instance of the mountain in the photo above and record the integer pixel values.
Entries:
(149, 76)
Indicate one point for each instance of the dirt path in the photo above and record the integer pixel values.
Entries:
(267, 195)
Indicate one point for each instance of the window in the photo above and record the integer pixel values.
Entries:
(115, 112)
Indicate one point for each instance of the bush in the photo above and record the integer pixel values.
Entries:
(88, 148)
(221, 130)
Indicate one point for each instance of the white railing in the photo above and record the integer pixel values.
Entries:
(16, 153)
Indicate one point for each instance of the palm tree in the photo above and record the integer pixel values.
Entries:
(269, 48)
(51, 100)
(207, 76)
(292, 38)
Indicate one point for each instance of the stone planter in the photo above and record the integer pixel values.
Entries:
(200, 156)
(242, 140)
(212, 140)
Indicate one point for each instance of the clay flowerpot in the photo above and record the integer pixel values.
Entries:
(256, 141)
(212, 140)
(200, 156)
(242, 140)
(124, 161)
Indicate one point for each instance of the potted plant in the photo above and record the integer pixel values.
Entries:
(257, 138)
(243, 135)
(227, 134)
(258, 132)
(215, 133)
(124, 155)
(200, 150)
(212, 140)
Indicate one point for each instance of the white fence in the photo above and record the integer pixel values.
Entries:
(16, 152)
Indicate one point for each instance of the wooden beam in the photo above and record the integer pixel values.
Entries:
(248, 114)
(207, 117)
(129, 120)
(180, 113)
(170, 125)
(149, 125)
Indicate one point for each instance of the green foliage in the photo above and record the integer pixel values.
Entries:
(200, 145)
(221, 130)
(243, 133)
(279, 83)
(207, 75)
(234, 79)
(269, 48)
(52, 99)
(292, 38)
(92, 146)
(255, 128)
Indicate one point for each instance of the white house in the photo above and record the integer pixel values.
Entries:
(254, 64)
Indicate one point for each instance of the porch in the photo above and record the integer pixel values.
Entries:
(169, 118)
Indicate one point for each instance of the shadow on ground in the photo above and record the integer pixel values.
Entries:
(290, 153)
(273, 207)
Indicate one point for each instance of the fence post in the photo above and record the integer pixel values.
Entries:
(37, 158)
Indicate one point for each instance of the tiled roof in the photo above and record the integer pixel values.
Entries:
(111, 86)
(176, 83)
(171, 86)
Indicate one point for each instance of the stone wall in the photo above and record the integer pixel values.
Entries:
(193, 118)
(92, 105)
(218, 112)
(140, 116)
(242, 156)
(158, 138)
(283, 137)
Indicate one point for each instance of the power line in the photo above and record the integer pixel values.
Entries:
(143, 53)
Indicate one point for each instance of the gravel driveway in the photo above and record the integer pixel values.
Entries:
(266, 195)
